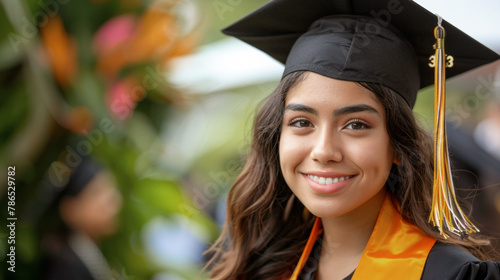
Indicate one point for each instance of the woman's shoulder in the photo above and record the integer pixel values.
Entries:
(447, 261)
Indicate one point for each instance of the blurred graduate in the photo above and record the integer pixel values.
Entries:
(83, 206)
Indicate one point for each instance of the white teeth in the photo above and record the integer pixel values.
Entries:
(327, 181)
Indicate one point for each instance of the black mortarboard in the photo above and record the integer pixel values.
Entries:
(358, 40)
(62, 179)
(81, 176)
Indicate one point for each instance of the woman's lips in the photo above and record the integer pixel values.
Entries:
(327, 184)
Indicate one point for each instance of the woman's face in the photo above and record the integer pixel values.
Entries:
(335, 153)
(95, 210)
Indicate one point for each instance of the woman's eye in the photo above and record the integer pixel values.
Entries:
(300, 123)
(356, 125)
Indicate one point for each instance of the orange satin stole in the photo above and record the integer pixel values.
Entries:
(396, 249)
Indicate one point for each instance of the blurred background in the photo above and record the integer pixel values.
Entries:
(140, 111)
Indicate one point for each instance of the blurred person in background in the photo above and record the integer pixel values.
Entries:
(484, 161)
(487, 133)
(87, 207)
(97, 69)
(476, 174)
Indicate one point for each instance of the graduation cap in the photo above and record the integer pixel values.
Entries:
(61, 180)
(80, 176)
(388, 42)
(358, 40)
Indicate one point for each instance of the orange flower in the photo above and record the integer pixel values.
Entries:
(79, 120)
(182, 47)
(155, 33)
(61, 51)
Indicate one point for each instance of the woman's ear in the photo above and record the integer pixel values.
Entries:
(396, 158)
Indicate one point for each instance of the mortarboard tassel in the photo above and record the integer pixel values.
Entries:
(445, 211)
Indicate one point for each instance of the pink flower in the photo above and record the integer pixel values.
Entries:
(120, 100)
(113, 33)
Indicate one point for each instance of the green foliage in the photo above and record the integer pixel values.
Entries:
(37, 111)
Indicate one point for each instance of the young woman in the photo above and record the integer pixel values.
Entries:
(339, 180)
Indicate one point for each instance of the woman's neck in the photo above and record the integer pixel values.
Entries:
(345, 237)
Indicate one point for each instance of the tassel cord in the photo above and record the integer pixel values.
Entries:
(446, 214)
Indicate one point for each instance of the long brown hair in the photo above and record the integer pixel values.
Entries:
(257, 242)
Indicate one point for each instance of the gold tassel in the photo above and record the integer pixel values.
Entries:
(445, 212)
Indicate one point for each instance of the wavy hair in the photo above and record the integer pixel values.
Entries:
(257, 242)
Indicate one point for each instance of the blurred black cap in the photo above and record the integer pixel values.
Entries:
(62, 179)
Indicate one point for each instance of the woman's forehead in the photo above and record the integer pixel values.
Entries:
(317, 90)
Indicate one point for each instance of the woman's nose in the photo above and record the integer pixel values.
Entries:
(327, 147)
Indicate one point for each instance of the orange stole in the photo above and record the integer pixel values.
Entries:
(396, 249)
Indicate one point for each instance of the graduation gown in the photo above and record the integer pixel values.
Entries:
(445, 262)
(400, 250)
(74, 256)
(61, 262)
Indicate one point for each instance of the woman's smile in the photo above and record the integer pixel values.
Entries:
(326, 184)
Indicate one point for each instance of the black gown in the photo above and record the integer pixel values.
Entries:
(61, 262)
(445, 262)
(72, 255)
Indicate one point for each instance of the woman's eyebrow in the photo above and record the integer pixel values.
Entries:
(338, 112)
(302, 108)
(354, 109)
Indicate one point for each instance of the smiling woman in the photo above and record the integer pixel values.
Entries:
(339, 180)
